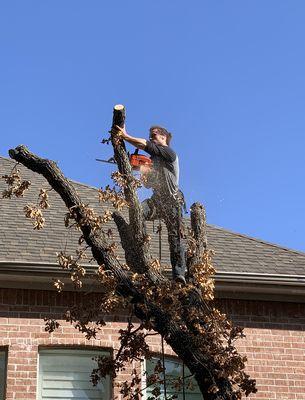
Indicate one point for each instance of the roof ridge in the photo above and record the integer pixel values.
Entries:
(257, 240)
(69, 179)
(83, 184)
(7, 159)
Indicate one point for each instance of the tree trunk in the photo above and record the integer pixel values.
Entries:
(173, 328)
(138, 247)
(198, 225)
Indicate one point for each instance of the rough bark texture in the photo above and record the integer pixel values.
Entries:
(133, 235)
(137, 248)
(198, 225)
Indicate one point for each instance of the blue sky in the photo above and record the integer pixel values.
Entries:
(226, 77)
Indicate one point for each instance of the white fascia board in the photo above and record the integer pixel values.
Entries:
(30, 275)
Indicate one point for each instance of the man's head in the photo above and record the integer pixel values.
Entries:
(160, 135)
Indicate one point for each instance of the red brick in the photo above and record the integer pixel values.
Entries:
(275, 342)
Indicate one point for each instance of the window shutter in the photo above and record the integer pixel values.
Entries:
(65, 374)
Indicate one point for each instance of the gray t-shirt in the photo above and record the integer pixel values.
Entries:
(165, 174)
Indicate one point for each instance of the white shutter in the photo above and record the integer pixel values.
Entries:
(173, 370)
(65, 374)
(2, 373)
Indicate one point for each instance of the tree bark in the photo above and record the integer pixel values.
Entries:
(198, 225)
(138, 247)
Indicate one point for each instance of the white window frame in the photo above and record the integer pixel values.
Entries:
(144, 368)
(92, 352)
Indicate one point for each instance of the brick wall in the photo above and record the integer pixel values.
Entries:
(275, 342)
(274, 345)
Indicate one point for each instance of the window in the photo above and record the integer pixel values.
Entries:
(174, 370)
(65, 374)
(2, 374)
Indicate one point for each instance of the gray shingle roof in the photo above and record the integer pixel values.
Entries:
(20, 243)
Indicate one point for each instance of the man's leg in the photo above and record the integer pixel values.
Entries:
(177, 242)
(170, 212)
(149, 209)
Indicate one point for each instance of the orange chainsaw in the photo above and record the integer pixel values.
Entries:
(139, 160)
(136, 161)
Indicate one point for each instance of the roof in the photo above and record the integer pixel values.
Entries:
(20, 244)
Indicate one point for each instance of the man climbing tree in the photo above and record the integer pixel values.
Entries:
(166, 202)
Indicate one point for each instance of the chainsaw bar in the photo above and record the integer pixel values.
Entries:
(110, 161)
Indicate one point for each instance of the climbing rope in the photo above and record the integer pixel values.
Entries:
(163, 366)
(183, 377)
(162, 340)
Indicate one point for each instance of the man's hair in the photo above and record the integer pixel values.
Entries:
(163, 131)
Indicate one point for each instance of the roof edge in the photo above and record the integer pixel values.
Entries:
(221, 276)
(228, 285)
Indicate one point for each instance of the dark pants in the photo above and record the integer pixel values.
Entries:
(170, 211)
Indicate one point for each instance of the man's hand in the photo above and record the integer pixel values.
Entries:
(121, 133)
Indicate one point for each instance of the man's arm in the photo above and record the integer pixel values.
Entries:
(162, 151)
(135, 141)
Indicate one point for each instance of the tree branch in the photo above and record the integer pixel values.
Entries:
(139, 245)
(198, 224)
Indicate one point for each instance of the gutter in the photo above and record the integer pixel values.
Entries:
(40, 276)
(247, 277)
(241, 285)
(36, 267)
(269, 287)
